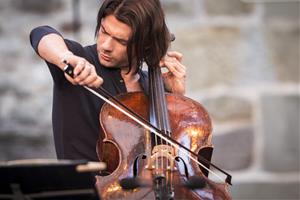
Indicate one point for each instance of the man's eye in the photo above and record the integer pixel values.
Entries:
(123, 43)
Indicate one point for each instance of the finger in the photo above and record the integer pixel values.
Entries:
(172, 68)
(84, 73)
(161, 63)
(170, 56)
(176, 68)
(171, 59)
(90, 78)
(175, 54)
(181, 68)
(79, 67)
(68, 77)
(97, 83)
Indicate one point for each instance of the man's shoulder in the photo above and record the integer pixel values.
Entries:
(92, 49)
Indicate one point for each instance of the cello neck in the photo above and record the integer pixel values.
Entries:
(157, 101)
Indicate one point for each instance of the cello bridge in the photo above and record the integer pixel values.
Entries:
(162, 154)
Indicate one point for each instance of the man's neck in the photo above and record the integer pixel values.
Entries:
(131, 80)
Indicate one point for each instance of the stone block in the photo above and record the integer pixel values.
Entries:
(253, 190)
(4, 4)
(283, 52)
(38, 5)
(280, 120)
(179, 7)
(227, 7)
(233, 149)
(278, 11)
(222, 55)
(228, 108)
(23, 109)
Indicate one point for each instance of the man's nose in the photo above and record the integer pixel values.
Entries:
(107, 44)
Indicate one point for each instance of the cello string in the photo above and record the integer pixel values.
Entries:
(155, 136)
(163, 160)
(176, 146)
(160, 103)
(169, 168)
(159, 113)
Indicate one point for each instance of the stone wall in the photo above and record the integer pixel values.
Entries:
(243, 66)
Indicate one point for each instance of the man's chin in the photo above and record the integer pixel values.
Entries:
(113, 65)
(107, 64)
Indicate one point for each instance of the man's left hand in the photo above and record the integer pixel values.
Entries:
(174, 79)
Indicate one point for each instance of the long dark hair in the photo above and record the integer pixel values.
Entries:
(150, 36)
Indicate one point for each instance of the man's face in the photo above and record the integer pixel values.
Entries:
(112, 42)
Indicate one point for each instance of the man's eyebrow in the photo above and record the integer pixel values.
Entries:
(116, 38)
(103, 27)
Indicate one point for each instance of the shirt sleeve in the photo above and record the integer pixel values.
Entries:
(57, 74)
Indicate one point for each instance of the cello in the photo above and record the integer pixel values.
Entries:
(167, 157)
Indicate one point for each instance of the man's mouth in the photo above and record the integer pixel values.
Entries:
(105, 57)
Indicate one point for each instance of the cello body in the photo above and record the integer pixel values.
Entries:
(128, 151)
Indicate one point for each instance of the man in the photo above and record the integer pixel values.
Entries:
(128, 34)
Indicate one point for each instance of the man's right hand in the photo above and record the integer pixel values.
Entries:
(84, 72)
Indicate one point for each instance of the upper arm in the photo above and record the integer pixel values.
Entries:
(38, 33)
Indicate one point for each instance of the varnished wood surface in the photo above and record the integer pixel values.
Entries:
(190, 125)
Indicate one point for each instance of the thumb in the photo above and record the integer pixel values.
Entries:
(70, 79)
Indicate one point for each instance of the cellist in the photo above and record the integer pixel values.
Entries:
(128, 33)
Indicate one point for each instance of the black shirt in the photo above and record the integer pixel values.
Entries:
(75, 112)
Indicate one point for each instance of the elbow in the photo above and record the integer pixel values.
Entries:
(34, 36)
(37, 34)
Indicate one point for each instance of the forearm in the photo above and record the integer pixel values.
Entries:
(53, 49)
